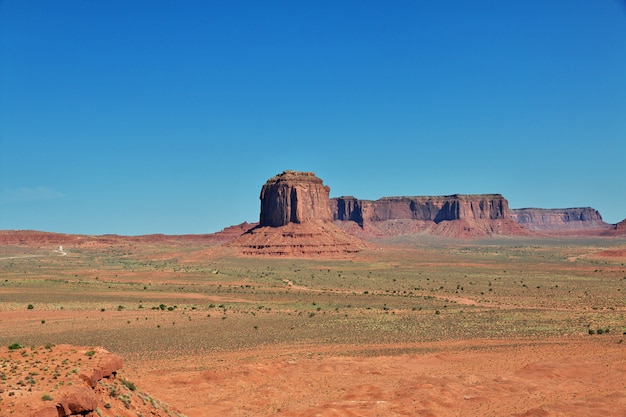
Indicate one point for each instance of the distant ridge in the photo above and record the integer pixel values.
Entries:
(539, 219)
(457, 215)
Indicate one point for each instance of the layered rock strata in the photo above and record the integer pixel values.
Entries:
(296, 220)
(455, 215)
(294, 197)
(567, 219)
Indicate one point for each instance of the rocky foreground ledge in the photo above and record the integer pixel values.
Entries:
(65, 380)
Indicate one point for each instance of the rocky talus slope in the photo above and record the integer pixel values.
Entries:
(65, 380)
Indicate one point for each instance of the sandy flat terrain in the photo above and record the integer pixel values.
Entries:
(557, 377)
(494, 328)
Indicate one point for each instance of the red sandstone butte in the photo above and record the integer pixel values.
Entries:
(296, 220)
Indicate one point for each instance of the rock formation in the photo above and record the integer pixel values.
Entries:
(454, 216)
(618, 229)
(296, 220)
(567, 219)
(294, 197)
(91, 389)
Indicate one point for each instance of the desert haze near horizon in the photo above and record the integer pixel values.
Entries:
(327, 307)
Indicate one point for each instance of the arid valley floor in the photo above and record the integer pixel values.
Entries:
(521, 326)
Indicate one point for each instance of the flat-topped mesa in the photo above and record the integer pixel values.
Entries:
(457, 215)
(559, 219)
(294, 197)
(424, 208)
(440, 208)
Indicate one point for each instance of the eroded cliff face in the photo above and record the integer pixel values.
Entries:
(454, 215)
(559, 219)
(294, 197)
(433, 209)
(347, 208)
(296, 220)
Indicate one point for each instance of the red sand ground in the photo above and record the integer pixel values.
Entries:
(556, 377)
(552, 377)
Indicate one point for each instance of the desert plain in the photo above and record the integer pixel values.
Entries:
(501, 326)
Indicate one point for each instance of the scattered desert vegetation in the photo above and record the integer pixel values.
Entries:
(172, 302)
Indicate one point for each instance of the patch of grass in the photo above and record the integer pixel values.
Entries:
(131, 386)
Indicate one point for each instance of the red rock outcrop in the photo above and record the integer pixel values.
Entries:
(566, 219)
(294, 197)
(453, 216)
(296, 220)
(618, 229)
(88, 387)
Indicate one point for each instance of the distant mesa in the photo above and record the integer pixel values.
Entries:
(559, 219)
(462, 216)
(299, 218)
(296, 220)
(457, 215)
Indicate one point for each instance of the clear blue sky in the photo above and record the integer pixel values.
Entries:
(137, 117)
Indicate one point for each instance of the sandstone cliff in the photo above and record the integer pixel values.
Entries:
(294, 197)
(454, 215)
(296, 220)
(567, 219)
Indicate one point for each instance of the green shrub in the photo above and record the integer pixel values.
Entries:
(47, 397)
(30, 307)
(14, 346)
(129, 384)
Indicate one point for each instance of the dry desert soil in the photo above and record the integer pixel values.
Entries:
(409, 327)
